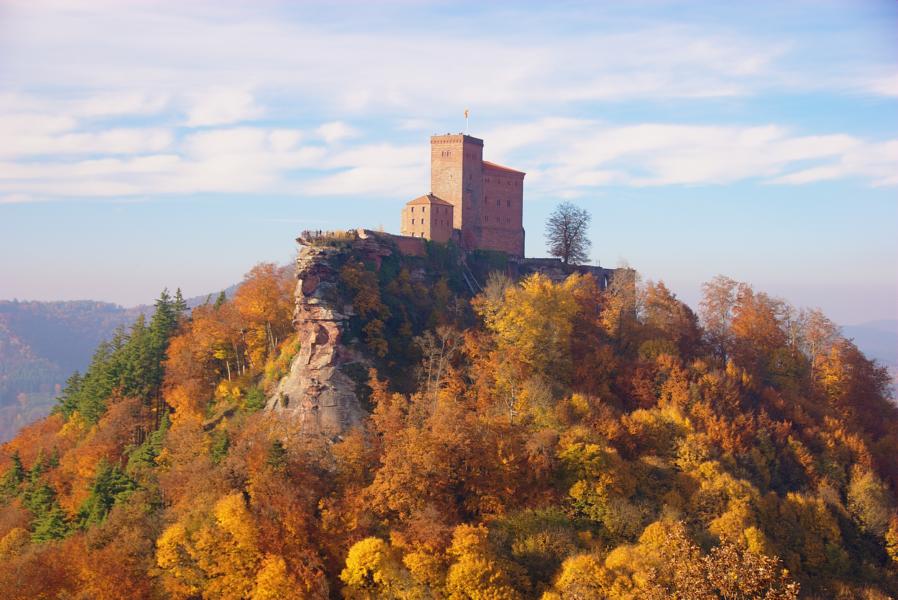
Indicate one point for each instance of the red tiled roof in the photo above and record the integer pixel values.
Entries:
(489, 165)
(428, 199)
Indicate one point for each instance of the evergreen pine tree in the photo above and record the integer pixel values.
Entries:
(144, 456)
(222, 298)
(50, 522)
(179, 304)
(68, 400)
(164, 319)
(51, 525)
(12, 478)
(109, 486)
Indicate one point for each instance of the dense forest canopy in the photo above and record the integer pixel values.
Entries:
(541, 440)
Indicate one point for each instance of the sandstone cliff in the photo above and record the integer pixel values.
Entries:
(318, 391)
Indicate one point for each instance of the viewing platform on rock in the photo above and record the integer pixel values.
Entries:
(321, 237)
(410, 246)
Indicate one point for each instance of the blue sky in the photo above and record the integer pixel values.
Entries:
(151, 144)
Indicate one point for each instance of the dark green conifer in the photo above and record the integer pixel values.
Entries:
(12, 478)
(109, 486)
(179, 304)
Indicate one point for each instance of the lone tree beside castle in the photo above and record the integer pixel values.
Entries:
(566, 234)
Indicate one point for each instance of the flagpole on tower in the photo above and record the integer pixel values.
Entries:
(466, 121)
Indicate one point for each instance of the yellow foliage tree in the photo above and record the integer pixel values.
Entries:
(891, 539)
(581, 577)
(374, 570)
(273, 582)
(477, 573)
(217, 558)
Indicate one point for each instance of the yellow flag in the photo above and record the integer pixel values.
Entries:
(466, 113)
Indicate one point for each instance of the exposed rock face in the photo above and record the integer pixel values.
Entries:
(316, 391)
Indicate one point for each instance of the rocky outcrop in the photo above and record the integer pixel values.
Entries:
(317, 392)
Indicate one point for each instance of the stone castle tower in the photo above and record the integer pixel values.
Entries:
(484, 201)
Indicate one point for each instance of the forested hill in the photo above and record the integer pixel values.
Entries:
(540, 440)
(42, 343)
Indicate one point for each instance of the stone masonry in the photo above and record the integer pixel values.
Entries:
(487, 199)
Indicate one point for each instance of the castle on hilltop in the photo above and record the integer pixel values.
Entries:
(478, 203)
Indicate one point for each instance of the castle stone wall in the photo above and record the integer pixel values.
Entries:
(410, 246)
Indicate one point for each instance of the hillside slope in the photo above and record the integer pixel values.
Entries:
(544, 439)
(42, 343)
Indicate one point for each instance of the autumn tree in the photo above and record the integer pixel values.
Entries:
(265, 303)
(478, 572)
(666, 319)
(716, 309)
(566, 233)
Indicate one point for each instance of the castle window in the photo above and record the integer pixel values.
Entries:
(498, 202)
(509, 203)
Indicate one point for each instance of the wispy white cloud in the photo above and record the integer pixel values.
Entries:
(884, 86)
(221, 106)
(878, 163)
(336, 131)
(111, 141)
(566, 154)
